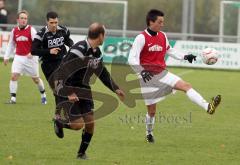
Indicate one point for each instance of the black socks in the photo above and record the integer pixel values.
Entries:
(86, 138)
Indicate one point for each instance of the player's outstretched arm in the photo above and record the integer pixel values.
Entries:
(120, 94)
(180, 55)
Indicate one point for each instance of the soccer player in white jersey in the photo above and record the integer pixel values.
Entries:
(147, 59)
(21, 38)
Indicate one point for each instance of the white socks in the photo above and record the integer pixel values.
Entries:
(13, 85)
(40, 85)
(41, 88)
(149, 124)
(195, 97)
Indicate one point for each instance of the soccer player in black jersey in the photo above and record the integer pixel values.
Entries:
(70, 82)
(49, 44)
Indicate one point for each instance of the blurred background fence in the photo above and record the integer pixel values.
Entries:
(197, 20)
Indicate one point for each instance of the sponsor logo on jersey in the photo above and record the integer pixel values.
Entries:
(56, 42)
(93, 63)
(155, 48)
(21, 38)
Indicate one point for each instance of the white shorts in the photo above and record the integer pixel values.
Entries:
(25, 65)
(158, 87)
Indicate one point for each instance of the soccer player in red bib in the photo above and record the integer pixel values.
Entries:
(21, 38)
(147, 58)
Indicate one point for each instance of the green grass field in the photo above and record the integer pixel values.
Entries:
(184, 133)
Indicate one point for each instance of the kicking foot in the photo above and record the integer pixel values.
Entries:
(213, 104)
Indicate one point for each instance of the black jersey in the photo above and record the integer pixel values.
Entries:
(76, 69)
(46, 40)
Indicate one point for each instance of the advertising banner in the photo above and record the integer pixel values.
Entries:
(116, 49)
(228, 57)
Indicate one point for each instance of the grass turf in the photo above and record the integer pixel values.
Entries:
(184, 133)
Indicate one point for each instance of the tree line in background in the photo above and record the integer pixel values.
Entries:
(77, 14)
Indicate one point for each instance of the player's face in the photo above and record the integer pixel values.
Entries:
(157, 25)
(22, 20)
(1, 4)
(101, 39)
(102, 36)
(52, 24)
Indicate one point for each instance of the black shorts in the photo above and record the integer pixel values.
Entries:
(49, 68)
(69, 111)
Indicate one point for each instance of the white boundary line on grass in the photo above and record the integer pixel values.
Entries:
(185, 73)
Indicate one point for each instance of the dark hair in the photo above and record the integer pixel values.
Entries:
(152, 15)
(52, 14)
(95, 30)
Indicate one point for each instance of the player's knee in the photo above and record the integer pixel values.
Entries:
(89, 127)
(151, 110)
(183, 86)
(77, 126)
(35, 80)
(151, 114)
(14, 77)
(187, 86)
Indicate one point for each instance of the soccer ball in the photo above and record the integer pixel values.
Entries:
(209, 56)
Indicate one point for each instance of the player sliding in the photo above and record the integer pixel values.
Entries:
(147, 59)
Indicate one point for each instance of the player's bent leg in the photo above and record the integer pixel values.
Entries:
(192, 94)
(35, 80)
(58, 128)
(150, 119)
(60, 121)
(38, 81)
(182, 86)
(77, 124)
(15, 76)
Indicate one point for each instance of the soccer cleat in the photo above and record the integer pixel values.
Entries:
(150, 138)
(44, 100)
(58, 128)
(11, 102)
(82, 156)
(213, 104)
